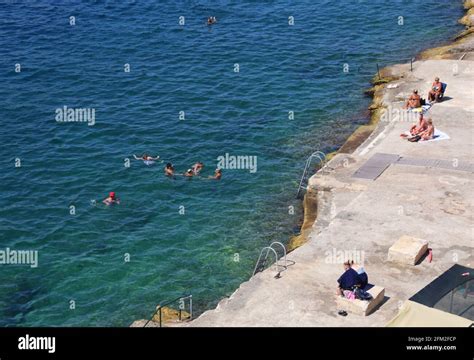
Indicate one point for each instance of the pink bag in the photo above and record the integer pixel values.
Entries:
(349, 295)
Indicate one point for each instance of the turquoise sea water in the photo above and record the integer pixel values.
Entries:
(174, 68)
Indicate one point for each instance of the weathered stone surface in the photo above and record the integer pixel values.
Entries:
(362, 307)
(142, 322)
(468, 20)
(407, 250)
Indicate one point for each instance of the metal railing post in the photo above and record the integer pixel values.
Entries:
(284, 250)
(191, 306)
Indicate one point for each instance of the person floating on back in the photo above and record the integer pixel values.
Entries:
(111, 199)
(197, 167)
(169, 169)
(436, 91)
(414, 101)
(146, 157)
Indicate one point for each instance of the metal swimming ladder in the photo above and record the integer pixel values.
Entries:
(322, 158)
(261, 266)
(181, 300)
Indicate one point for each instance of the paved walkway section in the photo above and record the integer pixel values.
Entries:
(418, 193)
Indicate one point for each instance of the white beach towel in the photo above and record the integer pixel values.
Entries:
(438, 135)
(423, 109)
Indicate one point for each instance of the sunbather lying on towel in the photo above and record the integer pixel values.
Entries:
(417, 128)
(414, 101)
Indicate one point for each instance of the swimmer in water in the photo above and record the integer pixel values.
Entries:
(169, 169)
(189, 173)
(197, 167)
(211, 20)
(111, 199)
(217, 175)
(146, 157)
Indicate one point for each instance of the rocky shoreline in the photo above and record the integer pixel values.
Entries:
(461, 45)
(337, 208)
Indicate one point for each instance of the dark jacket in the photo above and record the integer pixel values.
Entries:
(349, 279)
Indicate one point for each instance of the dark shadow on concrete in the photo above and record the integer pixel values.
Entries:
(423, 257)
(445, 98)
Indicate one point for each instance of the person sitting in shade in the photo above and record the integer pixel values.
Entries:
(349, 279)
(414, 101)
(436, 91)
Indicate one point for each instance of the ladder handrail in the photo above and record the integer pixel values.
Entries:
(317, 154)
(161, 305)
(268, 248)
(284, 251)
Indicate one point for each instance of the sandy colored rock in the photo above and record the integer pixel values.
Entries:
(169, 315)
(468, 19)
(362, 307)
(310, 205)
(407, 250)
(468, 4)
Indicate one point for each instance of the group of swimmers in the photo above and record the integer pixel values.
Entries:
(195, 170)
(434, 95)
(169, 170)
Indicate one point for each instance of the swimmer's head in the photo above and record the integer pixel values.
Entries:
(219, 171)
(112, 195)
